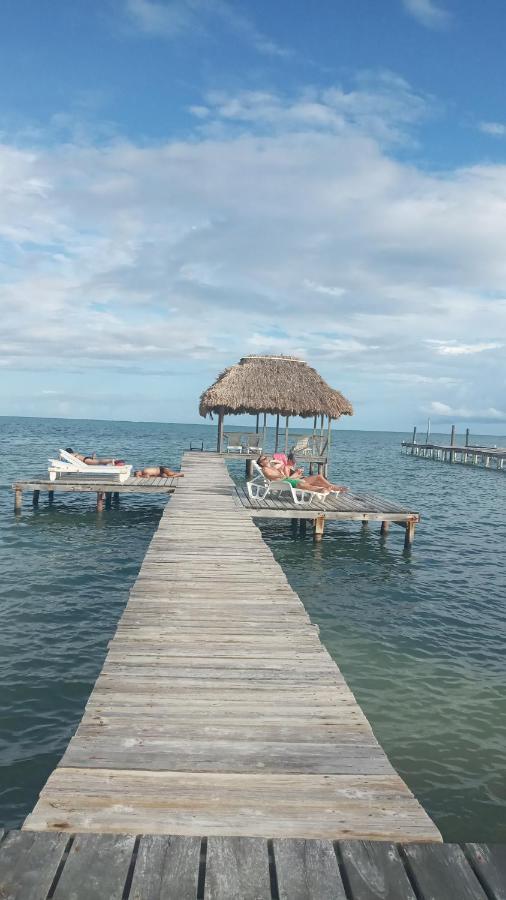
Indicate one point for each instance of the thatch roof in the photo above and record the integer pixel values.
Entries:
(273, 384)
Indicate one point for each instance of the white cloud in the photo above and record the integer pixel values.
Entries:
(452, 348)
(175, 18)
(445, 412)
(282, 233)
(427, 13)
(496, 129)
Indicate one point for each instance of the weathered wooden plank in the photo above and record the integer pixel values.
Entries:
(374, 871)
(489, 864)
(442, 872)
(237, 867)
(96, 868)
(307, 870)
(28, 864)
(166, 867)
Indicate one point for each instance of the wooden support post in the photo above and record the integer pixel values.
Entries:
(108, 499)
(452, 442)
(302, 527)
(258, 422)
(115, 496)
(311, 468)
(276, 441)
(467, 437)
(35, 498)
(319, 525)
(50, 497)
(100, 501)
(410, 533)
(413, 441)
(264, 439)
(249, 469)
(365, 524)
(286, 433)
(385, 525)
(18, 500)
(219, 442)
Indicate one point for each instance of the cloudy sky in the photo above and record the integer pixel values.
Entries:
(183, 182)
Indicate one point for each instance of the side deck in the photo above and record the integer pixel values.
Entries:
(218, 711)
(162, 867)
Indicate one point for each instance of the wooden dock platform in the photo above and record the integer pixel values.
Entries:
(467, 455)
(162, 867)
(104, 488)
(218, 711)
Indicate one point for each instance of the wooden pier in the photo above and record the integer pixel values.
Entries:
(106, 490)
(218, 711)
(468, 455)
(67, 866)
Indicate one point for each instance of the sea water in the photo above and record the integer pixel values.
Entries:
(419, 635)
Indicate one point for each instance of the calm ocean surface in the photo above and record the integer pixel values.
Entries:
(420, 636)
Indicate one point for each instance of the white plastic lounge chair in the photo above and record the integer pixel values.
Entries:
(301, 446)
(234, 442)
(251, 443)
(69, 465)
(260, 487)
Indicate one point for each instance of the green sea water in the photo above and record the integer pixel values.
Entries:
(420, 636)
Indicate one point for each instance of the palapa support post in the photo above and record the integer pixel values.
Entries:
(219, 443)
(258, 422)
(410, 533)
(18, 499)
(35, 498)
(385, 526)
(264, 438)
(100, 501)
(276, 441)
(287, 419)
(318, 528)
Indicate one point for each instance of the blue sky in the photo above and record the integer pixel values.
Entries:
(183, 182)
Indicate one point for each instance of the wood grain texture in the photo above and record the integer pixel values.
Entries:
(218, 711)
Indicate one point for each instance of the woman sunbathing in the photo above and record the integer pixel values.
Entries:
(157, 472)
(92, 460)
(297, 479)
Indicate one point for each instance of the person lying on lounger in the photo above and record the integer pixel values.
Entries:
(157, 472)
(297, 478)
(92, 460)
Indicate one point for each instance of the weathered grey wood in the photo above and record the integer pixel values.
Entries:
(166, 867)
(217, 710)
(28, 864)
(374, 871)
(307, 870)
(442, 872)
(18, 499)
(237, 868)
(96, 868)
(489, 863)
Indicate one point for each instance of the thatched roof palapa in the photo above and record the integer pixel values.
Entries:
(275, 385)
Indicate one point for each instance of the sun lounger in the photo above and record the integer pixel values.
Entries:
(234, 442)
(251, 443)
(260, 487)
(69, 466)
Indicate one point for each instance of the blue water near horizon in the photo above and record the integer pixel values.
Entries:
(418, 635)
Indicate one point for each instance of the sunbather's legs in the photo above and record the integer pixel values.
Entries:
(164, 470)
(318, 482)
(156, 472)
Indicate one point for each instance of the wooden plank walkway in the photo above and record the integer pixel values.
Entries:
(218, 711)
(162, 867)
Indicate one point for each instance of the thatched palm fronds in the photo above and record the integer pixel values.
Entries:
(275, 385)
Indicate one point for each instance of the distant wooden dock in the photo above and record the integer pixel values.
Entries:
(468, 455)
(67, 866)
(106, 490)
(218, 711)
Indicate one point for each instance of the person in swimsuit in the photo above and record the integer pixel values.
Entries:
(90, 460)
(157, 472)
(297, 478)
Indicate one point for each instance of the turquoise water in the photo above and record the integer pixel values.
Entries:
(419, 635)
